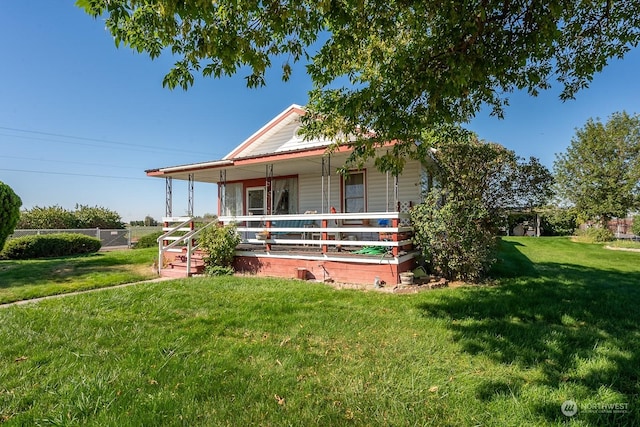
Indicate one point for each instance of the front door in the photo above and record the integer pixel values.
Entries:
(256, 201)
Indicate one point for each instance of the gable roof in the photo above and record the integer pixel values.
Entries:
(276, 142)
(278, 136)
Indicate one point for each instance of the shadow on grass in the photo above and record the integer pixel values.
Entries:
(32, 272)
(577, 325)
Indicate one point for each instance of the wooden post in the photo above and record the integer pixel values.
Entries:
(324, 224)
(395, 222)
(267, 224)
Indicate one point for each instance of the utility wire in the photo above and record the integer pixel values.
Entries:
(145, 150)
(102, 141)
(70, 162)
(72, 174)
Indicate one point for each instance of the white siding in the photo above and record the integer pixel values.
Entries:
(409, 183)
(310, 189)
(283, 137)
(271, 141)
(408, 187)
(309, 193)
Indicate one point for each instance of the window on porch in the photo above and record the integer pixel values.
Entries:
(285, 196)
(354, 192)
(232, 199)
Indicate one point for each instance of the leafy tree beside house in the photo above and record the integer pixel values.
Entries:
(9, 212)
(456, 227)
(396, 67)
(600, 172)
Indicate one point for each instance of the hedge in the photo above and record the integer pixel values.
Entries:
(148, 240)
(50, 245)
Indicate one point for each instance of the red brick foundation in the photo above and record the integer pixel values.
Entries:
(338, 271)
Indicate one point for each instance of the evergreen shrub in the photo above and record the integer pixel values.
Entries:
(50, 245)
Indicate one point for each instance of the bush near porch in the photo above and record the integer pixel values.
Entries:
(219, 243)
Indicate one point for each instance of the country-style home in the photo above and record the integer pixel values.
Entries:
(297, 216)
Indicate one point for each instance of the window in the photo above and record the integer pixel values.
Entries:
(231, 196)
(285, 196)
(354, 192)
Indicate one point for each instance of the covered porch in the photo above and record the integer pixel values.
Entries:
(307, 246)
(296, 214)
(375, 247)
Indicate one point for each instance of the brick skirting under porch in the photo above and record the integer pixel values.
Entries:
(321, 270)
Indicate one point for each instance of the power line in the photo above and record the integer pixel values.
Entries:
(72, 174)
(70, 162)
(102, 141)
(86, 144)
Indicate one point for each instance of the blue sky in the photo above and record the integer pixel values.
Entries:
(80, 120)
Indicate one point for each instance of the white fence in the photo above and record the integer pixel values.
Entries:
(109, 238)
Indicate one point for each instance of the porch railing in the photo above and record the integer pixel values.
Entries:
(179, 237)
(386, 229)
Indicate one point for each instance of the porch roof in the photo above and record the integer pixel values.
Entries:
(284, 163)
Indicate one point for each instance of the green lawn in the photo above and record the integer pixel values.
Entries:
(26, 279)
(138, 231)
(561, 323)
(625, 244)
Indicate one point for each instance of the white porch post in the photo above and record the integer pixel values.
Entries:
(168, 209)
(268, 187)
(396, 198)
(386, 193)
(222, 190)
(326, 188)
(190, 201)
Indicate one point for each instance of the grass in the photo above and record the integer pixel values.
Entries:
(560, 323)
(627, 244)
(138, 231)
(26, 279)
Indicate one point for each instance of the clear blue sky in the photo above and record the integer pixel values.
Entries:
(80, 120)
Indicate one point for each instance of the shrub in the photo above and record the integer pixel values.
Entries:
(216, 270)
(50, 245)
(97, 217)
(455, 237)
(635, 227)
(9, 212)
(148, 240)
(50, 217)
(595, 235)
(559, 221)
(219, 242)
(57, 217)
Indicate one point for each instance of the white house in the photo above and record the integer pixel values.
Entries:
(297, 216)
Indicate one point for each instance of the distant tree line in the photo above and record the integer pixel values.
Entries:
(57, 217)
(147, 222)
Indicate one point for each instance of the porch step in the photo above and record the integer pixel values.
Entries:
(178, 269)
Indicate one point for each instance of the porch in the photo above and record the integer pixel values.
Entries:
(343, 247)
